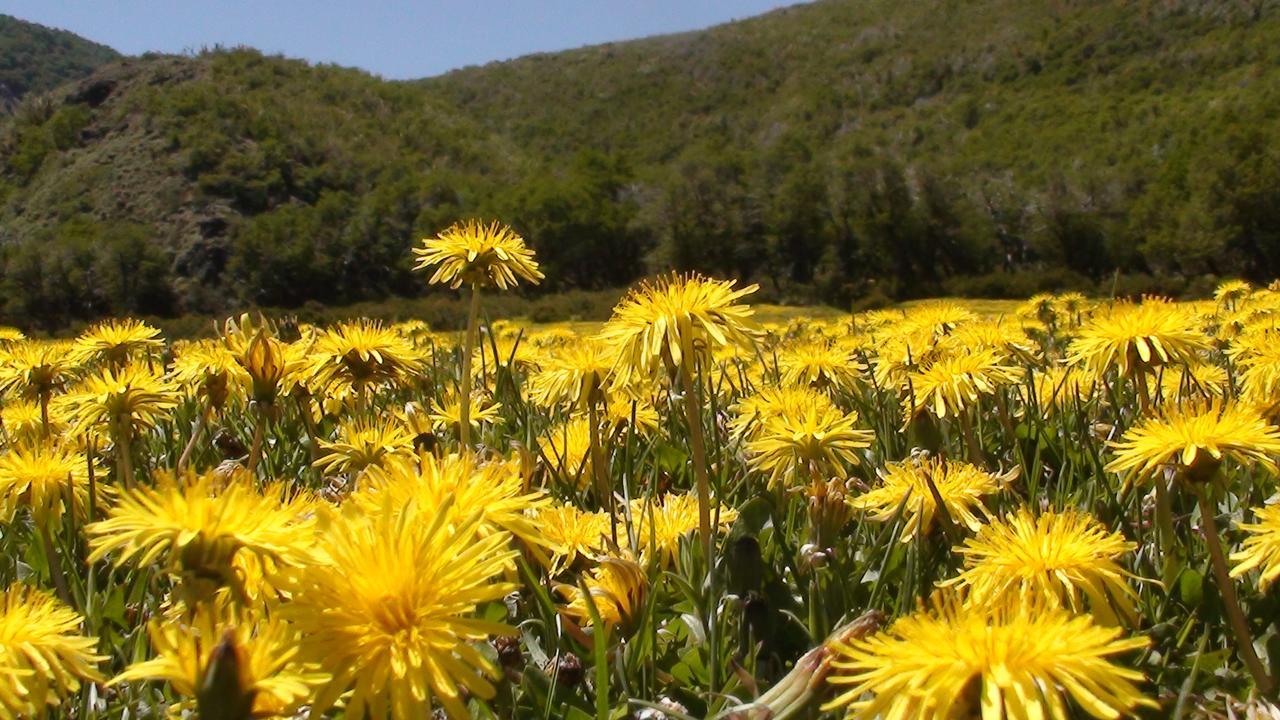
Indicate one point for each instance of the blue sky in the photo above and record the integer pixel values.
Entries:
(395, 39)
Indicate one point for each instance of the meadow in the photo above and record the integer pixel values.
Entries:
(1059, 507)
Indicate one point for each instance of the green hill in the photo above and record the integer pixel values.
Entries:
(34, 58)
(834, 150)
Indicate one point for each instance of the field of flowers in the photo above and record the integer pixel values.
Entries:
(939, 511)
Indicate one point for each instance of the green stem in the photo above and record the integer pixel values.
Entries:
(971, 439)
(464, 395)
(191, 444)
(55, 564)
(599, 471)
(124, 455)
(693, 417)
(255, 447)
(308, 422)
(1230, 601)
(44, 415)
(1164, 518)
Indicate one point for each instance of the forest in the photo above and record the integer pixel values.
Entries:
(849, 153)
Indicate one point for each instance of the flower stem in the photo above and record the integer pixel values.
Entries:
(1164, 518)
(971, 439)
(44, 415)
(464, 394)
(600, 471)
(55, 564)
(191, 444)
(255, 447)
(124, 455)
(697, 444)
(1240, 627)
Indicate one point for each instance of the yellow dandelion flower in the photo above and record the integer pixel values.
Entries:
(116, 342)
(209, 535)
(1006, 339)
(1231, 293)
(814, 442)
(618, 587)
(573, 376)
(391, 613)
(570, 533)
(820, 364)
(362, 445)
(1261, 549)
(1060, 387)
(935, 318)
(210, 371)
(566, 450)
(898, 355)
(43, 656)
(622, 410)
(1040, 308)
(446, 412)
(955, 383)
(10, 334)
(249, 665)
(657, 322)
(660, 527)
(36, 370)
(1019, 661)
(414, 330)
(906, 484)
(509, 352)
(751, 411)
(1258, 357)
(493, 490)
(43, 476)
(478, 255)
(23, 423)
(1058, 558)
(1179, 383)
(1134, 338)
(1194, 438)
(126, 399)
(362, 354)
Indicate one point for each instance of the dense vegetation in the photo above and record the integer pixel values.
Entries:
(1063, 512)
(838, 151)
(34, 58)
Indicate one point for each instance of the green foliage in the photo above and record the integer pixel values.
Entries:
(34, 58)
(831, 151)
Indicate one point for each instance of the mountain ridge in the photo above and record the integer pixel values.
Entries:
(35, 58)
(832, 150)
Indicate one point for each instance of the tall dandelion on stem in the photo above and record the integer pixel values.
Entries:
(263, 356)
(1189, 444)
(1136, 341)
(479, 256)
(659, 327)
(125, 402)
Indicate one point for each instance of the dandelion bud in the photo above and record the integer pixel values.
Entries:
(223, 695)
(508, 648)
(264, 362)
(566, 668)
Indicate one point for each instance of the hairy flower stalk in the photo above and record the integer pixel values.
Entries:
(1230, 601)
(473, 315)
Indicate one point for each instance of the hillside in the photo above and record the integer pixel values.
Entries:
(34, 58)
(835, 150)
(1027, 120)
